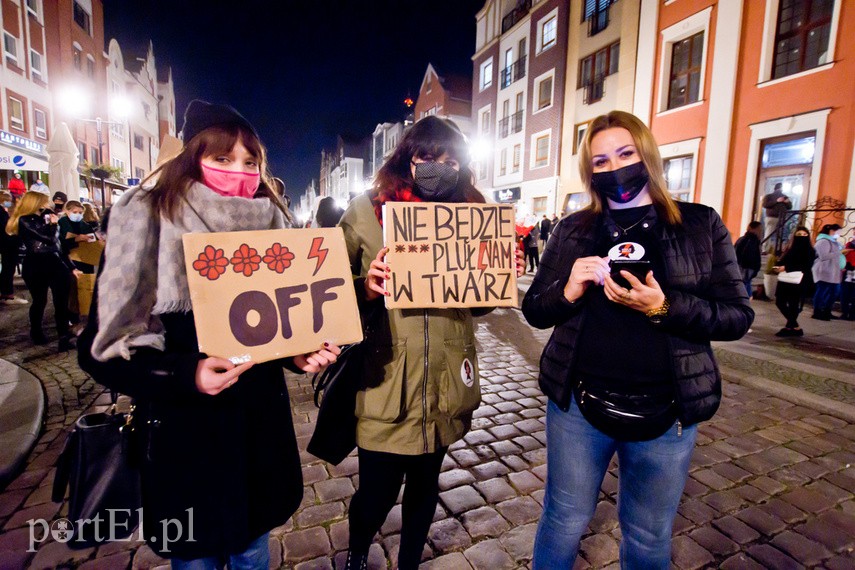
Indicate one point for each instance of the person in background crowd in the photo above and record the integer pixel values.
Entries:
(218, 436)
(59, 200)
(39, 186)
(45, 266)
(790, 297)
(17, 187)
(10, 250)
(416, 400)
(328, 214)
(554, 221)
(827, 270)
(629, 368)
(74, 230)
(530, 248)
(91, 216)
(776, 204)
(748, 253)
(847, 287)
(545, 229)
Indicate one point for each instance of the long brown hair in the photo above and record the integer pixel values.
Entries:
(29, 203)
(648, 150)
(431, 137)
(174, 177)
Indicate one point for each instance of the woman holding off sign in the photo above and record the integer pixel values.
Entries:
(217, 444)
(636, 286)
(421, 383)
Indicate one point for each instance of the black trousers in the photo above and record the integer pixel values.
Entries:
(790, 301)
(380, 478)
(533, 257)
(8, 259)
(42, 272)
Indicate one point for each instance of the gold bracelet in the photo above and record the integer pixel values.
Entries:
(658, 314)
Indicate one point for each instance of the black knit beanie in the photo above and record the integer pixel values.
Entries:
(201, 115)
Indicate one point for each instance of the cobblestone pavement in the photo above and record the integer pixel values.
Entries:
(771, 483)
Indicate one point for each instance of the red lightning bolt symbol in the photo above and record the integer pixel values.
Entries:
(317, 253)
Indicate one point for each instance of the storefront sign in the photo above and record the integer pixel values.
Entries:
(450, 255)
(21, 142)
(15, 160)
(508, 195)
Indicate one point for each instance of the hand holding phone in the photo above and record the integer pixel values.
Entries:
(638, 267)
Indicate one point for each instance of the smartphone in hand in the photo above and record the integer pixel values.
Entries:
(638, 267)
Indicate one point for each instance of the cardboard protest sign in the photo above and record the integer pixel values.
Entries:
(450, 255)
(87, 252)
(268, 294)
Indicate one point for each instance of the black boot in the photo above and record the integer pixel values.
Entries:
(38, 337)
(66, 343)
(356, 561)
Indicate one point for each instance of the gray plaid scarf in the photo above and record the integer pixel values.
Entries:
(144, 273)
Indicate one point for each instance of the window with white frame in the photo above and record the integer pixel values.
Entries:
(544, 91)
(16, 114)
(36, 65)
(138, 142)
(547, 31)
(81, 17)
(118, 163)
(90, 66)
(678, 175)
(40, 121)
(34, 7)
(486, 118)
(579, 135)
(139, 173)
(802, 36)
(594, 69)
(503, 162)
(683, 62)
(515, 165)
(540, 149)
(95, 154)
(685, 75)
(10, 47)
(486, 74)
(81, 151)
(77, 57)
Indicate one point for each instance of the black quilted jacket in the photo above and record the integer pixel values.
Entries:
(705, 290)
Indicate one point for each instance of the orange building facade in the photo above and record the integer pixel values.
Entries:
(743, 95)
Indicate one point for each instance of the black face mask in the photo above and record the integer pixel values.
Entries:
(621, 185)
(435, 181)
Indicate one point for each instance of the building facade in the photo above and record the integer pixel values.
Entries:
(25, 99)
(447, 96)
(342, 175)
(744, 95)
(519, 70)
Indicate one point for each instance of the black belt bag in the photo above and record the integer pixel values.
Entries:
(625, 417)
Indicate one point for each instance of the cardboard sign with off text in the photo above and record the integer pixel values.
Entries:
(450, 255)
(268, 294)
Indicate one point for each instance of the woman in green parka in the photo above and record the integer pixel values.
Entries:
(421, 381)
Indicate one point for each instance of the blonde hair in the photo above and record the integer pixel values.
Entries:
(30, 203)
(648, 150)
(72, 204)
(90, 214)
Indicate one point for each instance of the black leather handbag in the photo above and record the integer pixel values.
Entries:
(625, 417)
(97, 467)
(335, 396)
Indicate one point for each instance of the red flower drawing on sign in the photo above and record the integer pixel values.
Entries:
(278, 258)
(246, 260)
(211, 263)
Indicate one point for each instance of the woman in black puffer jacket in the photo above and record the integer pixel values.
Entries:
(629, 368)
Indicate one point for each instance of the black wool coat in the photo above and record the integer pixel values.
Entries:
(705, 290)
(231, 458)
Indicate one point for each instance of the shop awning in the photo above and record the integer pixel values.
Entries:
(14, 159)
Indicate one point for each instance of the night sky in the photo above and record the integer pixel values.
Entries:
(301, 72)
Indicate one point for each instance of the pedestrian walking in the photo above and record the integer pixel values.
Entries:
(417, 400)
(629, 368)
(847, 287)
(827, 272)
(44, 266)
(545, 229)
(216, 439)
(790, 297)
(748, 253)
(10, 251)
(531, 252)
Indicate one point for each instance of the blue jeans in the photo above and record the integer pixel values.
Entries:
(825, 295)
(255, 557)
(748, 276)
(652, 475)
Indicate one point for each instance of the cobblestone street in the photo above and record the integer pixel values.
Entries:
(772, 483)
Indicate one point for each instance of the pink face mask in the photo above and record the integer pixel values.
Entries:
(228, 183)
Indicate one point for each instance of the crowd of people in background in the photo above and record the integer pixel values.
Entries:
(37, 233)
